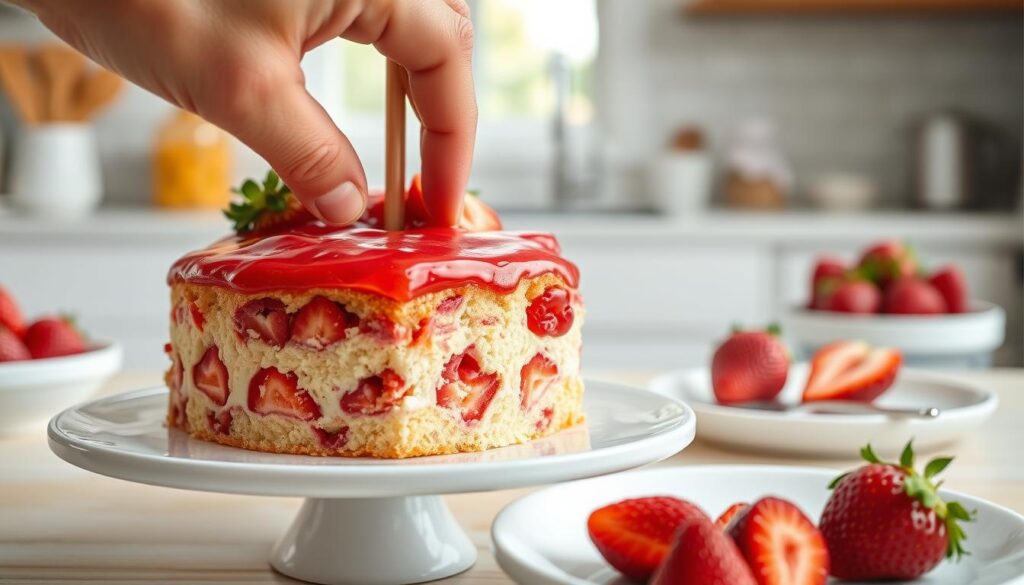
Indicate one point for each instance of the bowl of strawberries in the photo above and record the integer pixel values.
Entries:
(888, 298)
(46, 365)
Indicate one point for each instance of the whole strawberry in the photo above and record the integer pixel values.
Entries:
(11, 348)
(887, 261)
(854, 296)
(53, 337)
(913, 296)
(886, 521)
(951, 284)
(10, 314)
(702, 554)
(750, 365)
(635, 535)
(828, 272)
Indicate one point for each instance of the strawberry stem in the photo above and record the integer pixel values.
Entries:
(272, 197)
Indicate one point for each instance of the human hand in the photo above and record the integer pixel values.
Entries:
(236, 64)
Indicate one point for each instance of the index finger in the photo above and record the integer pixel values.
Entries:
(434, 43)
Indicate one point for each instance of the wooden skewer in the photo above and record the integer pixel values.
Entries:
(93, 92)
(394, 163)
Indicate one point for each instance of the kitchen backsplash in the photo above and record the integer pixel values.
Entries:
(842, 90)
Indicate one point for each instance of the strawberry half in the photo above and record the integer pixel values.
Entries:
(264, 319)
(781, 546)
(535, 378)
(702, 554)
(210, 376)
(10, 314)
(11, 348)
(887, 521)
(376, 394)
(952, 285)
(274, 392)
(466, 387)
(851, 370)
(730, 513)
(750, 365)
(53, 337)
(476, 216)
(635, 535)
(321, 323)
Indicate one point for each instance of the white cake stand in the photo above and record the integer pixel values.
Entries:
(368, 520)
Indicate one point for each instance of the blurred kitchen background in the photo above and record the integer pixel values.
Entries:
(694, 159)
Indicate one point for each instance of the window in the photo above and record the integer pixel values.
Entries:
(517, 44)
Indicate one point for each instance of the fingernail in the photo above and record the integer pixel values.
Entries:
(343, 204)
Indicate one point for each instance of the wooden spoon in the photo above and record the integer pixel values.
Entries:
(62, 68)
(19, 83)
(93, 93)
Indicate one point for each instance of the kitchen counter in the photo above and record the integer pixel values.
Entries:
(60, 524)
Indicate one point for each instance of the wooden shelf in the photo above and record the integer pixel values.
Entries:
(880, 7)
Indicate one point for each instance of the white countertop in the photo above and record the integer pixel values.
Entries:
(999, 229)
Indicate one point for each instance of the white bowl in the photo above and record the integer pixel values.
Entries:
(953, 340)
(32, 391)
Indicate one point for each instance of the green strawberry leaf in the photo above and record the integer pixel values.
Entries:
(907, 456)
(868, 454)
(272, 197)
(935, 466)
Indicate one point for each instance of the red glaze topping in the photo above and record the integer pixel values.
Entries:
(397, 265)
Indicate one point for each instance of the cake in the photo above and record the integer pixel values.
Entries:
(295, 337)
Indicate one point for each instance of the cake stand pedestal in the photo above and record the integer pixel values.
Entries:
(369, 521)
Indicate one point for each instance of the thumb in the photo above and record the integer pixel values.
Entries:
(293, 132)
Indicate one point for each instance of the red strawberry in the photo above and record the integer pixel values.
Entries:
(851, 370)
(274, 392)
(10, 314)
(854, 296)
(376, 394)
(535, 378)
(886, 521)
(702, 554)
(476, 215)
(550, 314)
(263, 319)
(385, 330)
(210, 376)
(634, 535)
(887, 261)
(781, 546)
(913, 296)
(11, 348)
(826, 269)
(730, 513)
(750, 365)
(321, 322)
(53, 337)
(466, 387)
(950, 283)
(266, 208)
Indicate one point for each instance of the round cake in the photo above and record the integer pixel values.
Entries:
(361, 342)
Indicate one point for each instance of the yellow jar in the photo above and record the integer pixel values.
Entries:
(191, 164)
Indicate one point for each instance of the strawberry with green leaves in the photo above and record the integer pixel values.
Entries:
(268, 207)
(887, 521)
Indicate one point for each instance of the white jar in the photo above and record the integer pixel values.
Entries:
(55, 170)
(681, 182)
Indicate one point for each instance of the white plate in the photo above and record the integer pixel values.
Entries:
(124, 436)
(336, 540)
(32, 391)
(964, 408)
(541, 539)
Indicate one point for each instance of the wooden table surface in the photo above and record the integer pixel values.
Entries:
(60, 524)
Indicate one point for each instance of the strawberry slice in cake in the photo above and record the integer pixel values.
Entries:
(296, 337)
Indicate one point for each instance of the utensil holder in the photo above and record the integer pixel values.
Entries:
(55, 170)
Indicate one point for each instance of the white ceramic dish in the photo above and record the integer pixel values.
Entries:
(964, 407)
(33, 391)
(963, 339)
(360, 511)
(541, 538)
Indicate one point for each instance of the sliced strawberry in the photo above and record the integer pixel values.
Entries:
(11, 348)
(220, 422)
(331, 439)
(952, 285)
(466, 387)
(321, 322)
(730, 513)
(476, 215)
(376, 394)
(450, 305)
(197, 316)
(535, 378)
(781, 546)
(385, 330)
(551, 313)
(634, 535)
(10, 314)
(702, 554)
(851, 370)
(210, 376)
(178, 400)
(264, 319)
(272, 391)
(53, 337)
(546, 416)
